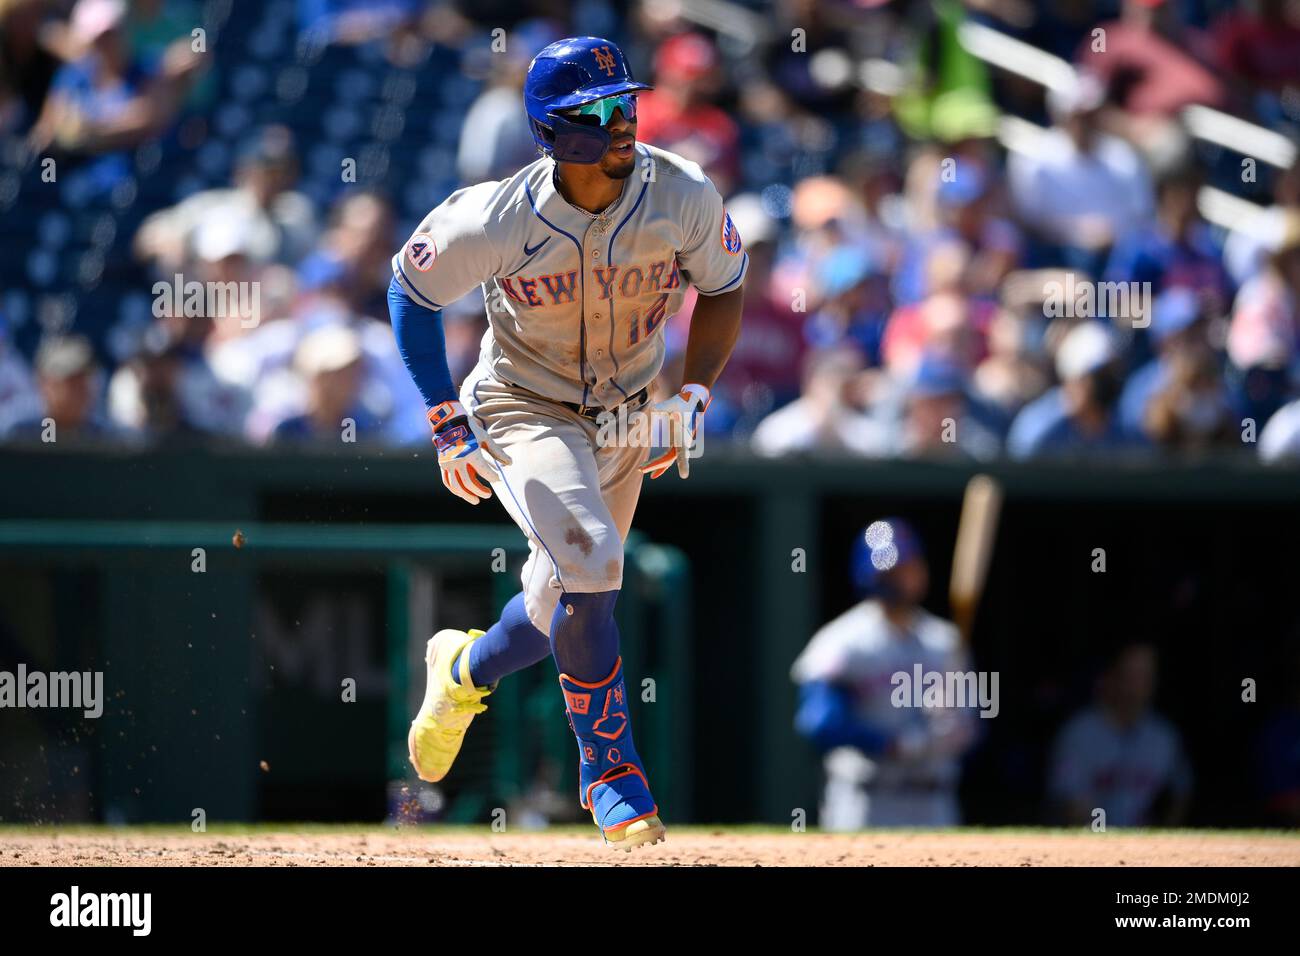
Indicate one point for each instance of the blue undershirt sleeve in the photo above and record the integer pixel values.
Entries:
(825, 716)
(421, 343)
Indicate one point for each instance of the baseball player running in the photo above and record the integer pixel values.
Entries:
(582, 256)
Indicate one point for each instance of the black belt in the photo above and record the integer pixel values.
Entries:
(593, 411)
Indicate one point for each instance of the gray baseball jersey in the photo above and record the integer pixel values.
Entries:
(861, 650)
(576, 301)
(1122, 770)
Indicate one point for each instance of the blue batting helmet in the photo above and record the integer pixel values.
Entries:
(882, 546)
(569, 73)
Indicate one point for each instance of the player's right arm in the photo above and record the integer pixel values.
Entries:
(714, 258)
(448, 255)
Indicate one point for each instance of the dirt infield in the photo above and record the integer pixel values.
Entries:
(686, 846)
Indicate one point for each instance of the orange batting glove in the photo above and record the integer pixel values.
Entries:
(463, 454)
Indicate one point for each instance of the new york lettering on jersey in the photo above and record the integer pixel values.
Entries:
(575, 300)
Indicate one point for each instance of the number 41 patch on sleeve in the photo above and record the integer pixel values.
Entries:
(420, 250)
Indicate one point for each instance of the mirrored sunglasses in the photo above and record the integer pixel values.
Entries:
(603, 110)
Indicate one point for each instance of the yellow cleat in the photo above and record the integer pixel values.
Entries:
(439, 729)
(644, 832)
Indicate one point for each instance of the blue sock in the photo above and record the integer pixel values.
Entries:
(510, 645)
(584, 637)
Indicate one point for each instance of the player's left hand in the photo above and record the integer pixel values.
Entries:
(463, 455)
(674, 423)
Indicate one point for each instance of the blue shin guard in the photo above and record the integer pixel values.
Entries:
(611, 781)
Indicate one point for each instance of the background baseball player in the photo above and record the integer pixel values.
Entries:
(885, 765)
(1118, 754)
(582, 256)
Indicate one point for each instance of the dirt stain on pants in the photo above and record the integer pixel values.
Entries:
(577, 538)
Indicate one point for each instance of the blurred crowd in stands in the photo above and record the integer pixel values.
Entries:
(947, 257)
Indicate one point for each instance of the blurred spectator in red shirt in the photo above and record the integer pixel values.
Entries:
(1260, 44)
(1014, 373)
(678, 114)
(1151, 63)
(1153, 67)
(763, 371)
(947, 322)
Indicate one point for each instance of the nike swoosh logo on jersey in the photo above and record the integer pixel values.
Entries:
(528, 251)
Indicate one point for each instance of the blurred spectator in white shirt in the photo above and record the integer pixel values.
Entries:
(262, 363)
(281, 223)
(830, 414)
(1249, 245)
(331, 364)
(1078, 415)
(494, 142)
(1080, 187)
(1265, 327)
(71, 386)
(1280, 438)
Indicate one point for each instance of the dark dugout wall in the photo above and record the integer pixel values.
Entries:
(1200, 561)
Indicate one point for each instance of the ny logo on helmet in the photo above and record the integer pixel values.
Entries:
(605, 60)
